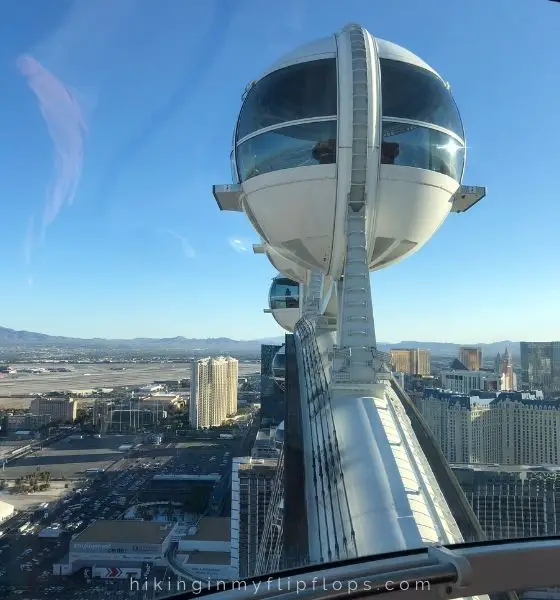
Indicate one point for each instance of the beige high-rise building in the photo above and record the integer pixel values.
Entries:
(233, 375)
(412, 361)
(506, 428)
(471, 357)
(59, 409)
(213, 391)
(448, 415)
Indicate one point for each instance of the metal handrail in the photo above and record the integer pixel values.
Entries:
(459, 571)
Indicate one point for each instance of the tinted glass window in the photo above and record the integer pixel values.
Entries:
(410, 92)
(292, 146)
(423, 148)
(297, 92)
(279, 364)
(284, 293)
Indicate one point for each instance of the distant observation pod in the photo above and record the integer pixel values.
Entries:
(284, 302)
(279, 367)
(328, 119)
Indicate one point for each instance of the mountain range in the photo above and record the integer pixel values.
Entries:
(12, 339)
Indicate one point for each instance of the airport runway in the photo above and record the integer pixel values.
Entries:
(87, 376)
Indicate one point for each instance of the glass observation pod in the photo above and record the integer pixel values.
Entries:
(279, 367)
(283, 302)
(295, 122)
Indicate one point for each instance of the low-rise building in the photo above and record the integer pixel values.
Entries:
(26, 421)
(167, 402)
(461, 381)
(117, 544)
(59, 409)
(6, 510)
(205, 552)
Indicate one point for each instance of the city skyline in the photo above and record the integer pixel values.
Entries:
(129, 243)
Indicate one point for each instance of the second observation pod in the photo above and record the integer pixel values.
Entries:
(284, 302)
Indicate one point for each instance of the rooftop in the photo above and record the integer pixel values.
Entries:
(263, 434)
(212, 529)
(5, 509)
(259, 465)
(141, 532)
(505, 468)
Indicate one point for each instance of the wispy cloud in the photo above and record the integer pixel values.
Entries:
(77, 50)
(188, 250)
(66, 125)
(239, 245)
(29, 241)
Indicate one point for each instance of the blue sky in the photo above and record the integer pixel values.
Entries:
(117, 117)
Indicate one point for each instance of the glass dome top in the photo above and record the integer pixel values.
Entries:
(413, 93)
(289, 119)
(300, 91)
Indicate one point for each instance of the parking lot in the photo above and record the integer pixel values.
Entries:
(27, 560)
(70, 458)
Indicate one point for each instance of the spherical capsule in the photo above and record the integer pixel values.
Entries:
(340, 117)
(284, 302)
(279, 367)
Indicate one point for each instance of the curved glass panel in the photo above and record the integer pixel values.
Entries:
(284, 293)
(410, 92)
(234, 175)
(286, 148)
(301, 91)
(408, 145)
(279, 364)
